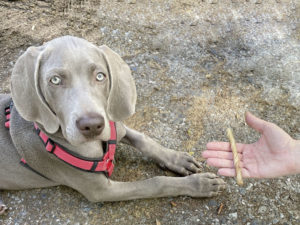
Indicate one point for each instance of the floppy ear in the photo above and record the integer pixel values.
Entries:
(122, 95)
(26, 92)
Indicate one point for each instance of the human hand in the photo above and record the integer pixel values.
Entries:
(273, 155)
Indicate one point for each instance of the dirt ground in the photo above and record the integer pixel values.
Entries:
(198, 66)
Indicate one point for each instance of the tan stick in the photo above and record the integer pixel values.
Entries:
(220, 208)
(239, 178)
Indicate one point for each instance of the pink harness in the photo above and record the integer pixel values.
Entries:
(87, 164)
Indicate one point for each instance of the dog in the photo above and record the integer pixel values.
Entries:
(63, 119)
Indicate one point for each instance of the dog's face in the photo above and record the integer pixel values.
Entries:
(74, 85)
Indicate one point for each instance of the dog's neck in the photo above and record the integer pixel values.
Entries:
(91, 149)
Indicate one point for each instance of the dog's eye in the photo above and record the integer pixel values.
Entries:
(55, 80)
(100, 76)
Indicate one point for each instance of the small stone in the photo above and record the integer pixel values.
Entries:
(208, 76)
(131, 1)
(157, 44)
(233, 216)
(173, 204)
(249, 186)
(262, 209)
(212, 203)
(243, 191)
(216, 221)
(194, 23)
(255, 222)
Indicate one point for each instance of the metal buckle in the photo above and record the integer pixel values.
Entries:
(50, 143)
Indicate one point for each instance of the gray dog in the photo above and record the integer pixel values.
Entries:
(57, 127)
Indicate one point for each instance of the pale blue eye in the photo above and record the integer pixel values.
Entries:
(100, 77)
(55, 80)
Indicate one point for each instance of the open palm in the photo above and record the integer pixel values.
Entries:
(268, 157)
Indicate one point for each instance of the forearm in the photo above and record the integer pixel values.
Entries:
(143, 143)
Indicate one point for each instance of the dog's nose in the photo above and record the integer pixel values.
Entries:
(90, 125)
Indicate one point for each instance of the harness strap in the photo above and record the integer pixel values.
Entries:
(7, 111)
(87, 164)
(25, 164)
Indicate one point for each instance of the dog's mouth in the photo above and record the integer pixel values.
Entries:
(87, 128)
(77, 138)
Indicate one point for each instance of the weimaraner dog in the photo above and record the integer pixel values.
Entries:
(57, 127)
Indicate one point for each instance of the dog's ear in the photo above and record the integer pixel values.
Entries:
(122, 95)
(26, 92)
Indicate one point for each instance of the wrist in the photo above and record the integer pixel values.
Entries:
(295, 156)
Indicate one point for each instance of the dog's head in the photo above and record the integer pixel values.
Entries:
(71, 84)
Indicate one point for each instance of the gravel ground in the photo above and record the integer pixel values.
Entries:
(198, 66)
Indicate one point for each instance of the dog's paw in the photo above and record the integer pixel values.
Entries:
(179, 162)
(205, 185)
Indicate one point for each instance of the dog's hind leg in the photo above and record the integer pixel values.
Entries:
(2, 207)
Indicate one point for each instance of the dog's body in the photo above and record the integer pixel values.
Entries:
(71, 89)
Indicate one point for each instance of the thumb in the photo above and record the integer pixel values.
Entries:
(254, 122)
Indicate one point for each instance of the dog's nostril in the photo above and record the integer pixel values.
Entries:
(90, 125)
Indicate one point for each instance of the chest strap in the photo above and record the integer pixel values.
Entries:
(87, 164)
(83, 163)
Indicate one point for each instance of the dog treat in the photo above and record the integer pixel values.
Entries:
(239, 178)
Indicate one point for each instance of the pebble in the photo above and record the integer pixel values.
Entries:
(212, 203)
(157, 44)
(249, 187)
(262, 209)
(243, 191)
(255, 222)
(132, 1)
(233, 216)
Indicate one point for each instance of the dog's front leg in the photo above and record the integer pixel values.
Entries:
(196, 185)
(2, 207)
(179, 162)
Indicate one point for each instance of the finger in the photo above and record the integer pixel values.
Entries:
(219, 154)
(230, 172)
(254, 122)
(223, 146)
(221, 163)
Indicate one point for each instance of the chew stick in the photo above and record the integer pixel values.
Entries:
(239, 178)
